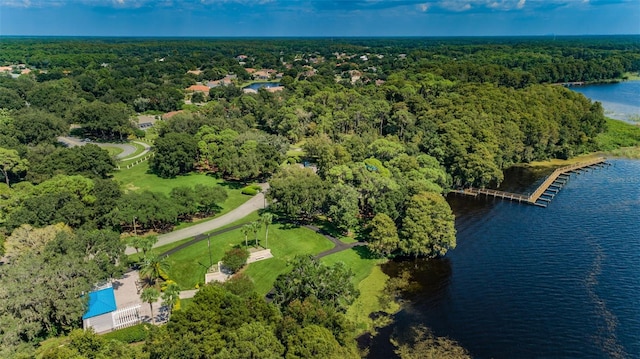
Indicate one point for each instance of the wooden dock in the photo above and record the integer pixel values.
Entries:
(545, 192)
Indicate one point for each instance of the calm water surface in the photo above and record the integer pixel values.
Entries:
(529, 282)
(620, 101)
(259, 85)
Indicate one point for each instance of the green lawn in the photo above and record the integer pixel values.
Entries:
(159, 250)
(137, 178)
(370, 281)
(188, 266)
(113, 151)
(618, 134)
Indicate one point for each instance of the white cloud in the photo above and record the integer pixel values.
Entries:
(423, 7)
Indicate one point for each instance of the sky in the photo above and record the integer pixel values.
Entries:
(330, 18)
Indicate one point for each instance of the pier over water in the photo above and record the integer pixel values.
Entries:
(545, 192)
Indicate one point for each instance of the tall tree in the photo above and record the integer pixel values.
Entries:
(267, 219)
(383, 235)
(175, 154)
(245, 230)
(342, 206)
(298, 193)
(332, 285)
(29, 239)
(428, 226)
(11, 164)
(171, 297)
(255, 228)
(105, 120)
(150, 295)
(210, 198)
(154, 269)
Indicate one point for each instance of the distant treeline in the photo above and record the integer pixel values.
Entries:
(385, 127)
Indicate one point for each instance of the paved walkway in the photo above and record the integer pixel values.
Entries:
(253, 204)
(146, 146)
(127, 150)
(339, 245)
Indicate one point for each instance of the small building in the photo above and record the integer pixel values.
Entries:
(103, 314)
(198, 88)
(170, 114)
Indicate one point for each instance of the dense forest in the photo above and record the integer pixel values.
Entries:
(368, 134)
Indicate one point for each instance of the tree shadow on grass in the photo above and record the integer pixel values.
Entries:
(233, 184)
(364, 252)
(288, 225)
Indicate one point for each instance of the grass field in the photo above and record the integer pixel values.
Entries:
(137, 178)
(619, 134)
(370, 281)
(188, 266)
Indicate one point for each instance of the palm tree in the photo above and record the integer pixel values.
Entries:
(245, 230)
(170, 297)
(255, 228)
(154, 269)
(267, 219)
(150, 295)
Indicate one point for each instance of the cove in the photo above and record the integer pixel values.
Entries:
(529, 282)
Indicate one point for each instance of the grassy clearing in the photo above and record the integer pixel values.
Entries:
(113, 151)
(188, 266)
(370, 281)
(555, 162)
(632, 76)
(626, 152)
(619, 134)
(138, 179)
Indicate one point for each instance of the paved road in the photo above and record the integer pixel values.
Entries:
(146, 146)
(253, 204)
(127, 150)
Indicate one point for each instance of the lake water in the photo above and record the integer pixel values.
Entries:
(258, 85)
(620, 101)
(530, 282)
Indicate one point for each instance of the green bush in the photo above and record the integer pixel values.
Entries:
(139, 133)
(235, 259)
(252, 189)
(134, 334)
(249, 191)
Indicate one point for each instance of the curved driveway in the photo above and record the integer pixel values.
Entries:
(253, 204)
(127, 150)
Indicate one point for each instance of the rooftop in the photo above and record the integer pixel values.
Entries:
(100, 302)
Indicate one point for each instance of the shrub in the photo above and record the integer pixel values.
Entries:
(252, 189)
(134, 334)
(235, 259)
(249, 191)
(139, 133)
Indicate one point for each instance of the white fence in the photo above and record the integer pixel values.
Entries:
(126, 317)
